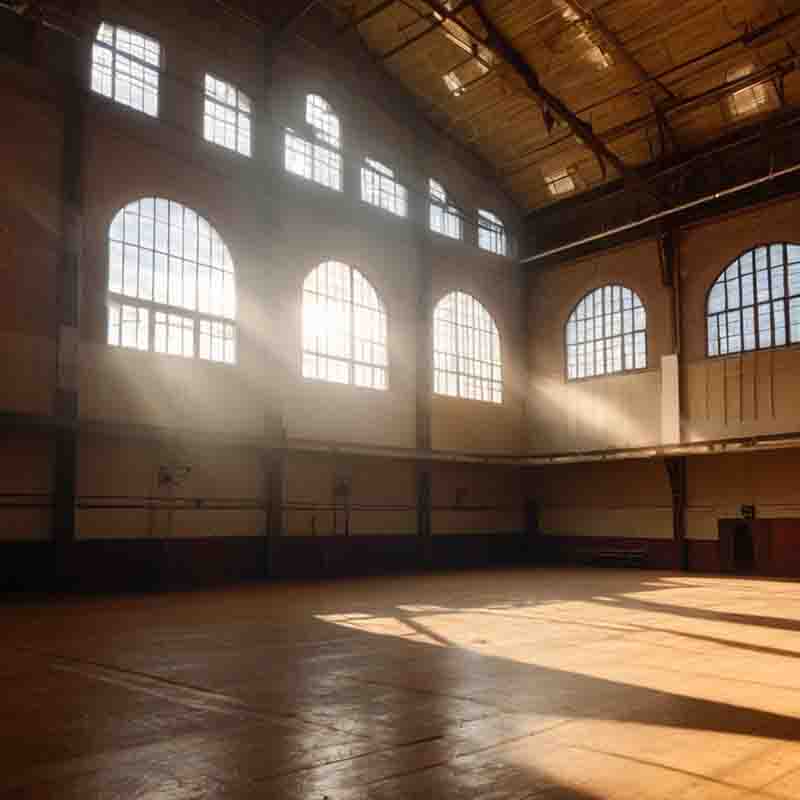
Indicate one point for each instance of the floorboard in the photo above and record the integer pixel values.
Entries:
(490, 685)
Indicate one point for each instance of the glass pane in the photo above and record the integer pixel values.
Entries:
(152, 228)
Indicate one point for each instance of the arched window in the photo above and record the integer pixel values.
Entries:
(316, 157)
(171, 286)
(491, 232)
(125, 67)
(445, 218)
(344, 327)
(606, 333)
(755, 301)
(466, 350)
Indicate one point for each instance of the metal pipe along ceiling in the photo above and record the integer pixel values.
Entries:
(660, 215)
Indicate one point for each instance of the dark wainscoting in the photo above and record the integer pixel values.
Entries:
(122, 564)
(129, 564)
(774, 545)
(329, 556)
(136, 564)
(703, 555)
(655, 553)
(26, 566)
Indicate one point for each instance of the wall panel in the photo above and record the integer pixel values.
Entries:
(594, 413)
(610, 499)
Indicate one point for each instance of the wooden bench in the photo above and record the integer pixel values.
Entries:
(612, 556)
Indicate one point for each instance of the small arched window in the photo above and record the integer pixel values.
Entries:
(606, 333)
(171, 285)
(491, 232)
(755, 303)
(125, 67)
(466, 350)
(344, 328)
(445, 218)
(316, 156)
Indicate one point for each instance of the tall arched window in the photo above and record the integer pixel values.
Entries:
(125, 67)
(316, 155)
(344, 327)
(755, 301)
(171, 286)
(606, 333)
(466, 350)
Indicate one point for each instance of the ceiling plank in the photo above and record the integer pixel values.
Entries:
(500, 46)
(367, 15)
(615, 44)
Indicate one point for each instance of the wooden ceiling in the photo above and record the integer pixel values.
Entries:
(559, 96)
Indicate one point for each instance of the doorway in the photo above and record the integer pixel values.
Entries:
(743, 549)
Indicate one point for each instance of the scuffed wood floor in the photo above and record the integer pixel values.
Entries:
(493, 685)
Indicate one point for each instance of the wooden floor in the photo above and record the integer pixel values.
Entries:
(480, 685)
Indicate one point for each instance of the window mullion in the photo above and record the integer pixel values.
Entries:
(352, 328)
(787, 334)
(457, 347)
(151, 333)
(770, 305)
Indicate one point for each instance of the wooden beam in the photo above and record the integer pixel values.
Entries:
(772, 72)
(274, 38)
(614, 43)
(393, 51)
(496, 42)
(653, 85)
(434, 26)
(367, 15)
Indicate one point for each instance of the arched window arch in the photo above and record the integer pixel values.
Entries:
(125, 67)
(316, 155)
(171, 283)
(755, 302)
(344, 327)
(606, 333)
(466, 350)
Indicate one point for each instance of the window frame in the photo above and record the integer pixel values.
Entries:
(153, 307)
(633, 332)
(554, 180)
(462, 375)
(207, 97)
(785, 300)
(383, 171)
(351, 361)
(316, 140)
(446, 209)
(762, 95)
(499, 232)
(114, 50)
